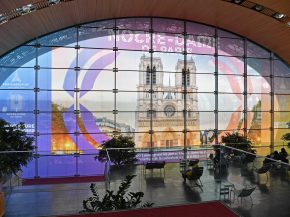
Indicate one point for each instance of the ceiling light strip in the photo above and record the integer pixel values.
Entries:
(27, 9)
(262, 9)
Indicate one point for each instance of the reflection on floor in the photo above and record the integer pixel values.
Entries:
(270, 198)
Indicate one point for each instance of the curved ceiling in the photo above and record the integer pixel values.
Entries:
(262, 29)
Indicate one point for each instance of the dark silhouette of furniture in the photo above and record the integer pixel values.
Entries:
(242, 193)
(221, 166)
(264, 170)
(155, 165)
(250, 158)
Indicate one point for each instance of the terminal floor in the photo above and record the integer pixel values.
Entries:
(271, 198)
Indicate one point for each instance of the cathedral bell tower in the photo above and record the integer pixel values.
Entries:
(167, 105)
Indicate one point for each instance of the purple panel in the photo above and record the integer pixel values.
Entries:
(168, 25)
(134, 23)
(29, 170)
(89, 166)
(100, 38)
(199, 29)
(56, 166)
(230, 47)
(281, 68)
(168, 42)
(254, 50)
(133, 40)
(171, 156)
(200, 44)
(222, 33)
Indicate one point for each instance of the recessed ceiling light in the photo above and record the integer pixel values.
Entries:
(288, 23)
(258, 7)
(53, 2)
(3, 19)
(279, 15)
(238, 1)
(25, 9)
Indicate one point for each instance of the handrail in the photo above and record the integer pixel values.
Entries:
(259, 156)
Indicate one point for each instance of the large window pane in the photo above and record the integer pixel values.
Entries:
(135, 40)
(231, 121)
(230, 84)
(57, 57)
(134, 23)
(24, 56)
(257, 84)
(281, 85)
(281, 119)
(96, 37)
(230, 47)
(230, 102)
(258, 67)
(281, 102)
(198, 44)
(281, 68)
(254, 50)
(199, 29)
(60, 38)
(168, 25)
(98, 60)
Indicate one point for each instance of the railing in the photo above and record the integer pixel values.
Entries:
(216, 183)
(107, 171)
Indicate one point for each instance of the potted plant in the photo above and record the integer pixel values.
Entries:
(286, 136)
(120, 149)
(13, 138)
(118, 200)
(238, 141)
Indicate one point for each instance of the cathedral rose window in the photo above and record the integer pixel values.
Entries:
(169, 110)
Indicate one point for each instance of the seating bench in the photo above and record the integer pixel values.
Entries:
(155, 165)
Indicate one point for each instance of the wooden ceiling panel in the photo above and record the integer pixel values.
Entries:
(264, 30)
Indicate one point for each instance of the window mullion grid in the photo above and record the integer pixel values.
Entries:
(36, 70)
(115, 78)
(216, 88)
(245, 93)
(77, 107)
(272, 103)
(184, 73)
(151, 89)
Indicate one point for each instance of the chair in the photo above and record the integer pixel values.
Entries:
(242, 193)
(183, 165)
(209, 162)
(264, 169)
(195, 176)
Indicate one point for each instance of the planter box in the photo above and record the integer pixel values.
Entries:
(2, 205)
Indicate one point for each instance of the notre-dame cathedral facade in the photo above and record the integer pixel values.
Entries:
(167, 111)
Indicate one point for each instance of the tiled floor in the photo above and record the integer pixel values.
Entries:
(271, 198)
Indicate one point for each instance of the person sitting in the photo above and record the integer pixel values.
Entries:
(276, 156)
(283, 156)
(188, 173)
(267, 161)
